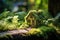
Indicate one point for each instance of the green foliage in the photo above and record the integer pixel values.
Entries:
(21, 15)
(4, 14)
(45, 29)
(10, 20)
(5, 25)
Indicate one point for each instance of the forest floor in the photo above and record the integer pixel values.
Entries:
(20, 35)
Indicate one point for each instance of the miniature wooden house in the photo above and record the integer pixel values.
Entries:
(31, 18)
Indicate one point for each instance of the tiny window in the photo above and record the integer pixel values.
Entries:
(31, 16)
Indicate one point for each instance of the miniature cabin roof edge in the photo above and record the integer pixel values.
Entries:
(29, 13)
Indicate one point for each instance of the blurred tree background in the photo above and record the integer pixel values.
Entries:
(38, 4)
(28, 4)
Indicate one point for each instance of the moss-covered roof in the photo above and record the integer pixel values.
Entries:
(36, 16)
(34, 13)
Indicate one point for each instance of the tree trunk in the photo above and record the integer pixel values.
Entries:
(54, 7)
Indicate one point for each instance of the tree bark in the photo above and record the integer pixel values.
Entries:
(54, 7)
